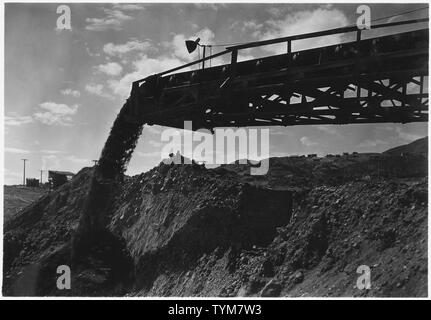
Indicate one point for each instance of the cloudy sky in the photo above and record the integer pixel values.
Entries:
(64, 89)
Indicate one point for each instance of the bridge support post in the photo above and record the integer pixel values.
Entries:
(289, 53)
(203, 61)
(233, 62)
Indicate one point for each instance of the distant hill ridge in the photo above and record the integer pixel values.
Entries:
(419, 146)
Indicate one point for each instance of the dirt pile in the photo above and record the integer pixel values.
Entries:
(333, 231)
(170, 216)
(183, 230)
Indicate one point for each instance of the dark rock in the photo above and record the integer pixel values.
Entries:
(272, 289)
(298, 277)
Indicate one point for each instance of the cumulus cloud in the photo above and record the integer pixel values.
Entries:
(71, 92)
(114, 17)
(63, 162)
(98, 90)
(144, 65)
(371, 143)
(51, 162)
(156, 144)
(94, 88)
(213, 6)
(308, 142)
(252, 25)
(90, 53)
(128, 6)
(79, 161)
(119, 50)
(14, 119)
(401, 135)
(179, 48)
(16, 150)
(48, 151)
(55, 113)
(406, 136)
(275, 11)
(110, 68)
(245, 57)
(303, 22)
(59, 108)
(329, 129)
(153, 154)
(142, 68)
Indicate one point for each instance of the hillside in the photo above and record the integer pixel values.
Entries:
(183, 230)
(18, 197)
(419, 146)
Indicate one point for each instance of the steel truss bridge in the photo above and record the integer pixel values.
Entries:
(375, 80)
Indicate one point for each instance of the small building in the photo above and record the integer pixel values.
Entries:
(58, 178)
(31, 182)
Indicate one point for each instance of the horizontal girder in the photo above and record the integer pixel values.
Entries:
(376, 80)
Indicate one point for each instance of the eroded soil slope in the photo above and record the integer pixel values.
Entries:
(183, 230)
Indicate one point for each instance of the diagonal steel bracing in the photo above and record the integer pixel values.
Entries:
(367, 81)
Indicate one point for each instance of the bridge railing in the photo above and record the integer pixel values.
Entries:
(233, 50)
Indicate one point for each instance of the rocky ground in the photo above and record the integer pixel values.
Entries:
(183, 230)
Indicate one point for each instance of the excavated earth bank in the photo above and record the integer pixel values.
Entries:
(183, 230)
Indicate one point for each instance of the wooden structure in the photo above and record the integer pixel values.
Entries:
(375, 80)
(58, 178)
(32, 182)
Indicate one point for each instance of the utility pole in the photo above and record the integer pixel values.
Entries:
(23, 178)
(41, 176)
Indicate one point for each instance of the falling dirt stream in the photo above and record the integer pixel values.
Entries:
(116, 154)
